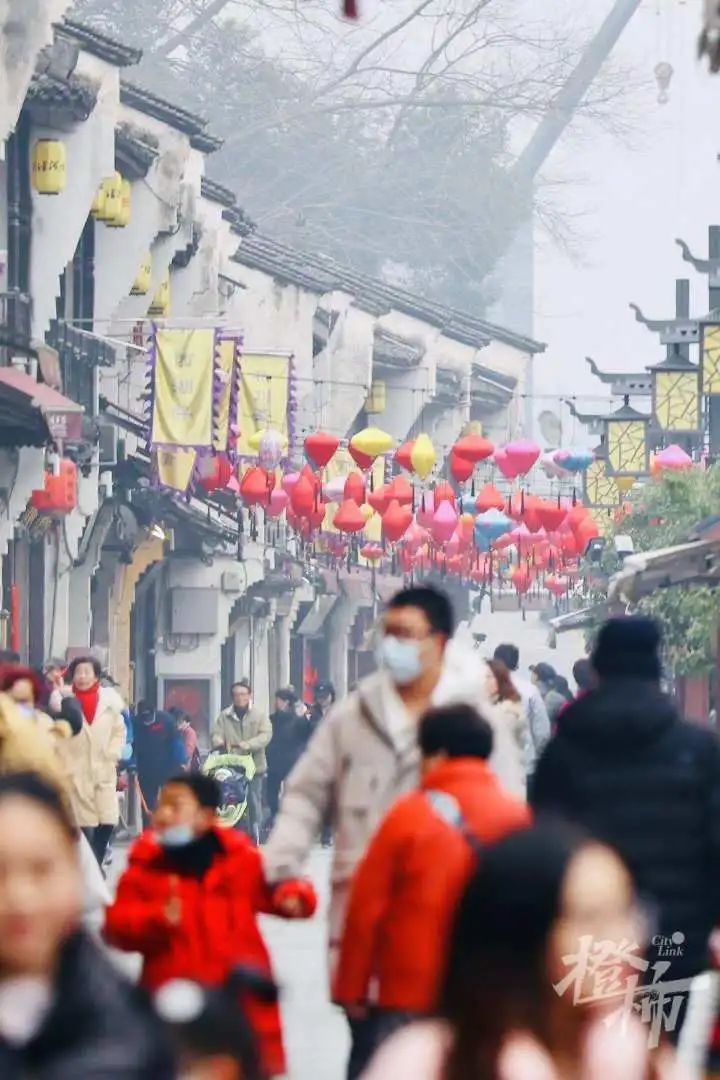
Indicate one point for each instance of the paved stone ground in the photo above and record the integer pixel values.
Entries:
(315, 1032)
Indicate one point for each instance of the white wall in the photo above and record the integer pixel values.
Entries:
(25, 28)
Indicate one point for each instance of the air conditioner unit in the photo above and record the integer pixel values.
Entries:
(231, 582)
(107, 444)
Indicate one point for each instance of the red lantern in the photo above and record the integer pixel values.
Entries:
(415, 537)
(59, 494)
(585, 532)
(256, 486)
(218, 475)
(363, 461)
(320, 448)
(403, 455)
(303, 497)
(349, 518)
(317, 515)
(489, 499)
(474, 448)
(379, 499)
(396, 521)
(522, 455)
(355, 488)
(443, 492)
(461, 469)
(551, 515)
(402, 490)
(556, 585)
(372, 552)
(521, 579)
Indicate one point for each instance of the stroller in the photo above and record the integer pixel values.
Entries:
(233, 773)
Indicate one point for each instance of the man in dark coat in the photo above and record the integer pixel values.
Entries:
(627, 768)
(159, 752)
(291, 732)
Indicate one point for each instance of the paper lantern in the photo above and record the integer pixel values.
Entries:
(474, 448)
(490, 525)
(461, 469)
(303, 496)
(289, 481)
(59, 495)
(334, 490)
(673, 457)
(402, 490)
(521, 579)
(443, 492)
(584, 533)
(551, 468)
(363, 461)
(109, 200)
(143, 278)
(271, 446)
(215, 473)
(577, 459)
(256, 486)
(423, 456)
(121, 219)
(320, 448)
(550, 514)
(396, 521)
(161, 301)
(372, 553)
(444, 522)
(426, 509)
(49, 167)
(489, 499)
(379, 499)
(403, 456)
(279, 501)
(556, 585)
(349, 518)
(624, 484)
(466, 527)
(508, 468)
(522, 454)
(355, 488)
(415, 537)
(372, 442)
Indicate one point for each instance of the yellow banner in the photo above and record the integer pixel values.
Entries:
(263, 397)
(226, 363)
(183, 388)
(175, 468)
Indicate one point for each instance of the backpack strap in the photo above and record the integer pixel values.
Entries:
(448, 808)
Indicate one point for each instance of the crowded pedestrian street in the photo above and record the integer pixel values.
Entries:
(359, 540)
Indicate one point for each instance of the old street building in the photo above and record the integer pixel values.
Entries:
(109, 220)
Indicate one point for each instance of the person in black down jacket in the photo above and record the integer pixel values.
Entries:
(626, 767)
(65, 1014)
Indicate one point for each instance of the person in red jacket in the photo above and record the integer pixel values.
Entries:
(189, 899)
(406, 888)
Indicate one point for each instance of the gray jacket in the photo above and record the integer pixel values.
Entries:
(352, 771)
(254, 730)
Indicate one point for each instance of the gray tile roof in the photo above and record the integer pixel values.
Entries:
(136, 97)
(75, 95)
(99, 44)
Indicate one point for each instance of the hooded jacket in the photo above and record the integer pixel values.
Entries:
(627, 768)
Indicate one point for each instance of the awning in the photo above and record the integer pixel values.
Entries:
(697, 563)
(33, 414)
(312, 624)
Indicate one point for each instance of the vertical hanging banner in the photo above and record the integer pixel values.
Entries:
(263, 400)
(175, 468)
(226, 391)
(182, 384)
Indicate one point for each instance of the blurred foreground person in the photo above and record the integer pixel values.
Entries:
(405, 890)
(535, 711)
(213, 1038)
(513, 1005)
(92, 756)
(64, 1012)
(189, 899)
(626, 767)
(584, 676)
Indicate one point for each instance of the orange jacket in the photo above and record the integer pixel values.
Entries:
(406, 888)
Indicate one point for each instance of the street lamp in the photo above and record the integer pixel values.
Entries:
(626, 440)
(676, 397)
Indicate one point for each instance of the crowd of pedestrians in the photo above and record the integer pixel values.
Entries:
(524, 880)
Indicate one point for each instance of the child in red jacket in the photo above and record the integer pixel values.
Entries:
(189, 899)
(405, 890)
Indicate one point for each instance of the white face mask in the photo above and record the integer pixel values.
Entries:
(175, 836)
(401, 658)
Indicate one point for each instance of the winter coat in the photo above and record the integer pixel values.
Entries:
(98, 1028)
(31, 744)
(617, 1051)
(218, 927)
(406, 888)
(254, 729)
(91, 758)
(290, 736)
(511, 740)
(623, 765)
(357, 763)
(553, 700)
(159, 751)
(537, 718)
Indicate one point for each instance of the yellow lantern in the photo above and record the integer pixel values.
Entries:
(122, 217)
(372, 441)
(110, 198)
(423, 456)
(141, 284)
(98, 206)
(161, 300)
(377, 398)
(49, 162)
(624, 484)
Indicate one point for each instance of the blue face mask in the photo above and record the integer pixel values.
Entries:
(175, 836)
(401, 658)
(26, 709)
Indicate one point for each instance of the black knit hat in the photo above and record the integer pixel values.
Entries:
(628, 648)
(287, 693)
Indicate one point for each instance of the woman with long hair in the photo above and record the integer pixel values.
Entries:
(517, 1004)
(508, 719)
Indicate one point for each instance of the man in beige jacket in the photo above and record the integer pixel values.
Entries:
(243, 729)
(364, 754)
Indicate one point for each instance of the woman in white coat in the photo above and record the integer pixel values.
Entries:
(91, 756)
(511, 733)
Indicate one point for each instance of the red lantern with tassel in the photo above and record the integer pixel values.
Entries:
(349, 518)
(443, 492)
(321, 448)
(474, 448)
(379, 499)
(551, 515)
(521, 579)
(461, 469)
(396, 521)
(489, 499)
(401, 489)
(217, 476)
(363, 461)
(256, 486)
(303, 497)
(355, 488)
(403, 456)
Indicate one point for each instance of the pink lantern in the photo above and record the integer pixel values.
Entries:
(673, 458)
(444, 522)
(289, 481)
(426, 510)
(507, 467)
(415, 537)
(556, 585)
(279, 501)
(522, 455)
